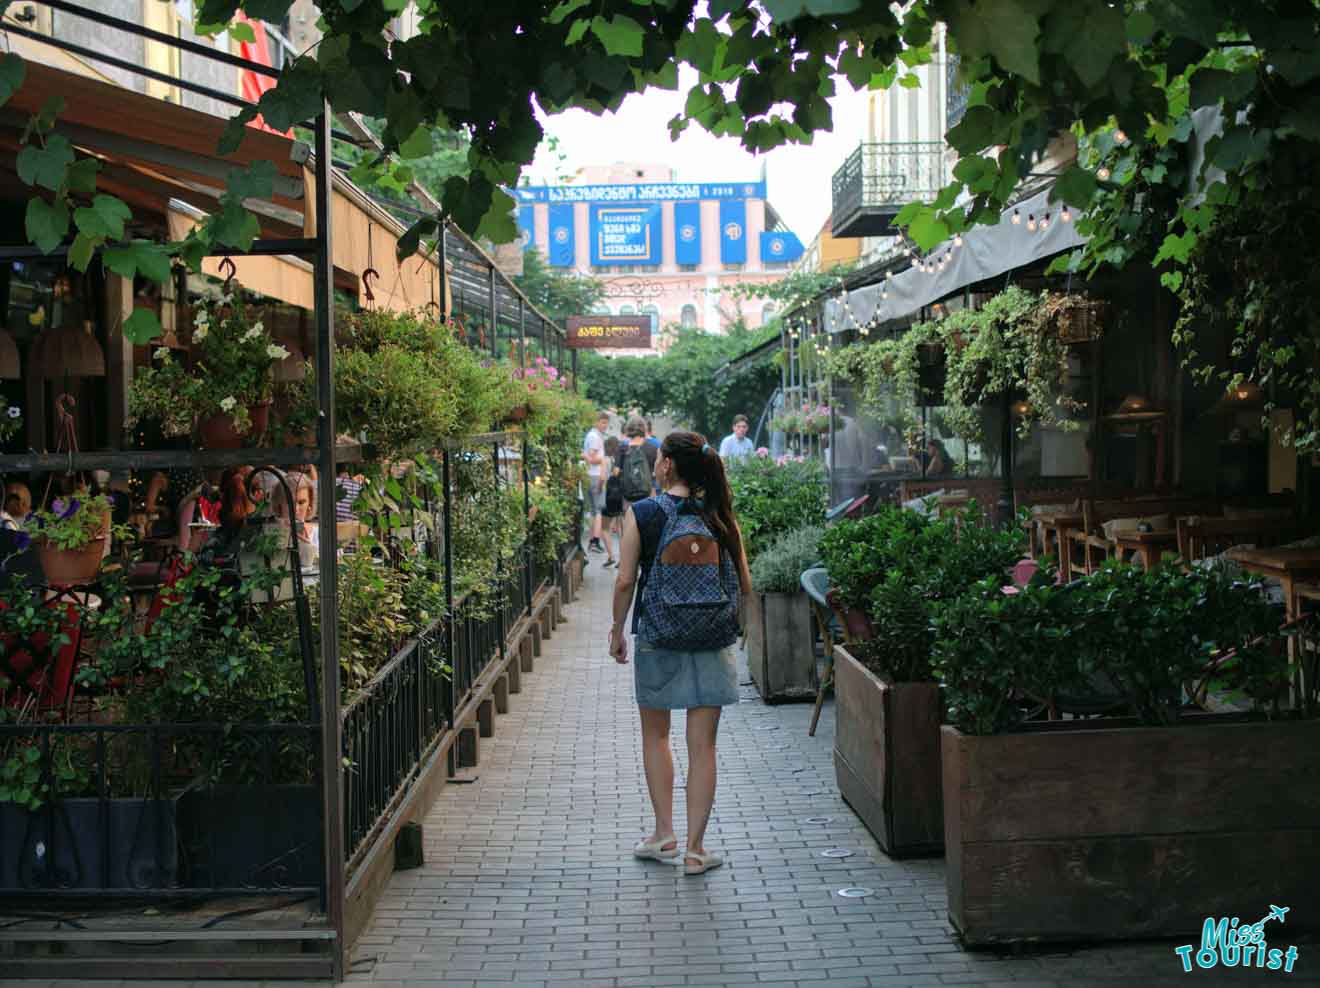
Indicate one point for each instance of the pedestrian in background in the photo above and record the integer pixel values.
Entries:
(593, 452)
(736, 445)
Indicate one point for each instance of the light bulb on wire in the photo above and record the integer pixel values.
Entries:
(1031, 222)
(1017, 218)
(1120, 137)
(1066, 215)
(1103, 173)
(1045, 223)
(957, 240)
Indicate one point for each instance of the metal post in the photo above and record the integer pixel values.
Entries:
(1004, 509)
(442, 258)
(451, 643)
(331, 743)
(494, 317)
(522, 333)
(573, 358)
(499, 558)
(527, 528)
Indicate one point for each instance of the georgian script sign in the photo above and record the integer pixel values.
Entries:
(609, 332)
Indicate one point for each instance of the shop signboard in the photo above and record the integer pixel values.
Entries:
(609, 332)
(625, 234)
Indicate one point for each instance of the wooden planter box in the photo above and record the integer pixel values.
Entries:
(887, 756)
(781, 647)
(1076, 832)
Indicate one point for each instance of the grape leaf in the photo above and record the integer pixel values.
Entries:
(45, 167)
(141, 327)
(104, 218)
(46, 223)
(620, 36)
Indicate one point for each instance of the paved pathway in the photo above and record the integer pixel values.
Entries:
(529, 878)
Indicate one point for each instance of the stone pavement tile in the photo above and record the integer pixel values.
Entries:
(529, 872)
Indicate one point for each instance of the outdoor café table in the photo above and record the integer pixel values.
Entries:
(1291, 567)
(1146, 546)
(1062, 525)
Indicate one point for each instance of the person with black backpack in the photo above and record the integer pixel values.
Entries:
(682, 554)
(636, 462)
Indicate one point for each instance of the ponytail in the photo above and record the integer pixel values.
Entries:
(699, 465)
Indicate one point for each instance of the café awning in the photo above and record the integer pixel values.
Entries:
(987, 252)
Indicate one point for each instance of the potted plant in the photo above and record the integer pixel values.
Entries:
(771, 498)
(71, 537)
(897, 567)
(1142, 822)
(223, 393)
(781, 640)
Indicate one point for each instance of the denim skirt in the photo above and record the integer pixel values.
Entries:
(667, 679)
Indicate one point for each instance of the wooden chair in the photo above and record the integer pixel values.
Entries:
(1201, 538)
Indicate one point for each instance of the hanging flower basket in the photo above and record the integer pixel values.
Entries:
(218, 432)
(70, 539)
(1076, 318)
(518, 414)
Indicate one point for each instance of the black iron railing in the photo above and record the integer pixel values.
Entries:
(389, 729)
(955, 93)
(884, 175)
(161, 810)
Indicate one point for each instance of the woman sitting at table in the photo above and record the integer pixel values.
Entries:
(305, 525)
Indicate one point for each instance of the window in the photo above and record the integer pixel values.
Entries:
(733, 267)
(626, 310)
(688, 317)
(601, 309)
(767, 313)
(775, 265)
(654, 313)
(689, 267)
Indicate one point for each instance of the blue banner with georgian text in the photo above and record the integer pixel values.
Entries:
(733, 231)
(527, 226)
(563, 250)
(625, 234)
(687, 233)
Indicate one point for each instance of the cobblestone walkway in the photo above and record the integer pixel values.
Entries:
(529, 878)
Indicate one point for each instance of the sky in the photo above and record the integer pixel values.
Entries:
(798, 176)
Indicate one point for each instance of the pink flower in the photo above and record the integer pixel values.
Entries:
(763, 452)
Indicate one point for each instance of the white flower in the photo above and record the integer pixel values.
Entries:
(227, 404)
(15, 412)
(252, 333)
(276, 352)
(162, 352)
(259, 326)
(199, 333)
(202, 319)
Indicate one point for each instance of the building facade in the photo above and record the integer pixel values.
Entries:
(670, 250)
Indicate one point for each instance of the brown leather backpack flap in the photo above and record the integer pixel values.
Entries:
(691, 550)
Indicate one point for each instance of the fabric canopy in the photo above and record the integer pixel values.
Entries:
(987, 251)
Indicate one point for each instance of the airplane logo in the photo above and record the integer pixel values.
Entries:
(1276, 912)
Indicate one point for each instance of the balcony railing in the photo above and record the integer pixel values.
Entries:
(879, 179)
(955, 93)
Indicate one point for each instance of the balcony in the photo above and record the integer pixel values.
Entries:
(879, 179)
(955, 94)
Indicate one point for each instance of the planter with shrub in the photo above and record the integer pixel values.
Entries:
(1117, 827)
(781, 638)
(894, 569)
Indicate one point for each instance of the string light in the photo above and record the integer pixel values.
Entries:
(1045, 223)
(1103, 173)
(957, 240)
(1017, 218)
(1031, 222)
(1066, 215)
(1120, 137)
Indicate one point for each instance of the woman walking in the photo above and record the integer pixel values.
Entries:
(682, 552)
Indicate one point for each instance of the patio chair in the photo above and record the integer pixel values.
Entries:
(816, 583)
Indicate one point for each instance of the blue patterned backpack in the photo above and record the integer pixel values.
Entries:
(690, 601)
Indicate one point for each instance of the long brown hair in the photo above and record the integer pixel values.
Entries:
(699, 466)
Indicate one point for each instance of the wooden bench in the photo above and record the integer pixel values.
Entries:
(1200, 537)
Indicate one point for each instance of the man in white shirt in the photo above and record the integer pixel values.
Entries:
(736, 445)
(593, 451)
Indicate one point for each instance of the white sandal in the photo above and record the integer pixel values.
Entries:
(705, 862)
(655, 850)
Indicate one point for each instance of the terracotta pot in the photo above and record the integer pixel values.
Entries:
(518, 414)
(217, 431)
(67, 567)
